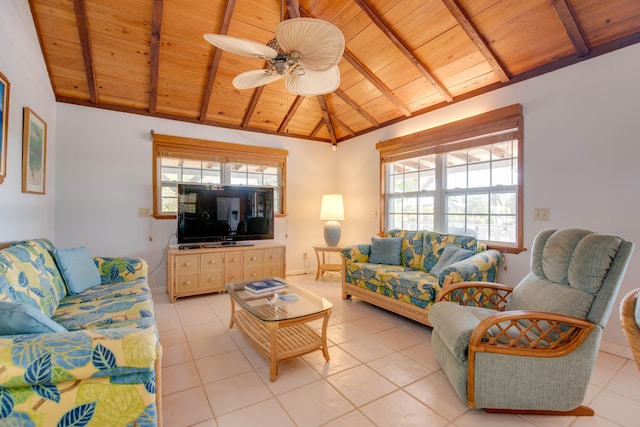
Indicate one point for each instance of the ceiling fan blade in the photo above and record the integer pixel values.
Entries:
(254, 78)
(241, 46)
(320, 43)
(313, 82)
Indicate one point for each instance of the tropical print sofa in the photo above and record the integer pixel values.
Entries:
(76, 359)
(407, 285)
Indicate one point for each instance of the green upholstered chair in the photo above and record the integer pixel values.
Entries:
(531, 349)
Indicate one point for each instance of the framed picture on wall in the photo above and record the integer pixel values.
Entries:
(34, 153)
(4, 122)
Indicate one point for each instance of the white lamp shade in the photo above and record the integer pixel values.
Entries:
(332, 208)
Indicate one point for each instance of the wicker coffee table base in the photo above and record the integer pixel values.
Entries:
(281, 340)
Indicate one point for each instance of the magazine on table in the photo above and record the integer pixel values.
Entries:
(264, 286)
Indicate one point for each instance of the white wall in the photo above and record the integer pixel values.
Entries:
(582, 148)
(581, 151)
(25, 215)
(104, 172)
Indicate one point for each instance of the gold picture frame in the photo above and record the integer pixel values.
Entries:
(4, 123)
(34, 153)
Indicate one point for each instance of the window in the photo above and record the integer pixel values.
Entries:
(463, 178)
(185, 160)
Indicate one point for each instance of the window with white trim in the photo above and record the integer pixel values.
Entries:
(462, 178)
(184, 160)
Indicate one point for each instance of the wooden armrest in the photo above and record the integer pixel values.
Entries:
(478, 294)
(529, 333)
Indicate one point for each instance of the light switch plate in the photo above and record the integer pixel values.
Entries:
(541, 214)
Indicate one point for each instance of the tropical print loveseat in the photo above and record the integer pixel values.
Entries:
(407, 285)
(88, 358)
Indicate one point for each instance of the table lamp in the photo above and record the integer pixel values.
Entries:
(332, 211)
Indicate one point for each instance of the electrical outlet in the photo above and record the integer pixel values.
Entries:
(142, 212)
(305, 255)
(541, 214)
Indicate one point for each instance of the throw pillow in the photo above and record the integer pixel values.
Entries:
(17, 318)
(450, 254)
(385, 250)
(78, 269)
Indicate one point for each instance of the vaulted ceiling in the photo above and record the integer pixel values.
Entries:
(402, 57)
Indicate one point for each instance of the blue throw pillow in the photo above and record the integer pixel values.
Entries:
(385, 250)
(17, 318)
(78, 269)
(450, 254)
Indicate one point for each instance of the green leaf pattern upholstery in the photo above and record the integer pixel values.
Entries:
(99, 373)
(411, 281)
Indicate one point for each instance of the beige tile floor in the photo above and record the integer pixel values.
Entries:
(382, 372)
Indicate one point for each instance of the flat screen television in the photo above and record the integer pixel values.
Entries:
(214, 214)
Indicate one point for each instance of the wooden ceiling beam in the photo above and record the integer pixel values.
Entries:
(376, 82)
(572, 27)
(292, 111)
(316, 129)
(368, 75)
(472, 32)
(326, 117)
(215, 61)
(406, 51)
(343, 125)
(252, 107)
(154, 55)
(80, 10)
(356, 107)
(293, 9)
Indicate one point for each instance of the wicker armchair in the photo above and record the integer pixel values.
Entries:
(531, 349)
(628, 309)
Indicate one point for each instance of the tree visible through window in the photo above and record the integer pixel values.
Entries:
(463, 178)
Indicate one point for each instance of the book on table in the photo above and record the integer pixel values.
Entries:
(264, 286)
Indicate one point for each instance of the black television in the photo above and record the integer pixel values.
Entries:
(214, 214)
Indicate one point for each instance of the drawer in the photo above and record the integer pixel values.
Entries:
(275, 255)
(273, 270)
(211, 262)
(253, 257)
(187, 264)
(187, 282)
(213, 281)
(253, 272)
(234, 274)
(233, 259)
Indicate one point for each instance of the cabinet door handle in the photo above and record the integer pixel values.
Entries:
(187, 264)
(188, 282)
(273, 256)
(213, 261)
(253, 258)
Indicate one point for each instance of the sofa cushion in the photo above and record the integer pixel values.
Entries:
(45, 247)
(415, 287)
(17, 318)
(450, 254)
(122, 305)
(78, 269)
(385, 250)
(26, 277)
(434, 244)
(412, 255)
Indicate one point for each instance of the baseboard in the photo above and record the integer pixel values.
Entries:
(616, 349)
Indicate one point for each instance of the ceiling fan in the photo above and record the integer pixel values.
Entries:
(305, 50)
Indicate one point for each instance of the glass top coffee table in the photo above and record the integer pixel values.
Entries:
(275, 322)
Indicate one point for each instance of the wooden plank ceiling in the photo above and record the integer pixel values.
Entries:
(402, 57)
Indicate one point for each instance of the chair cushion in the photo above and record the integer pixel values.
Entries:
(539, 294)
(591, 261)
(450, 254)
(455, 324)
(17, 318)
(385, 250)
(78, 269)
